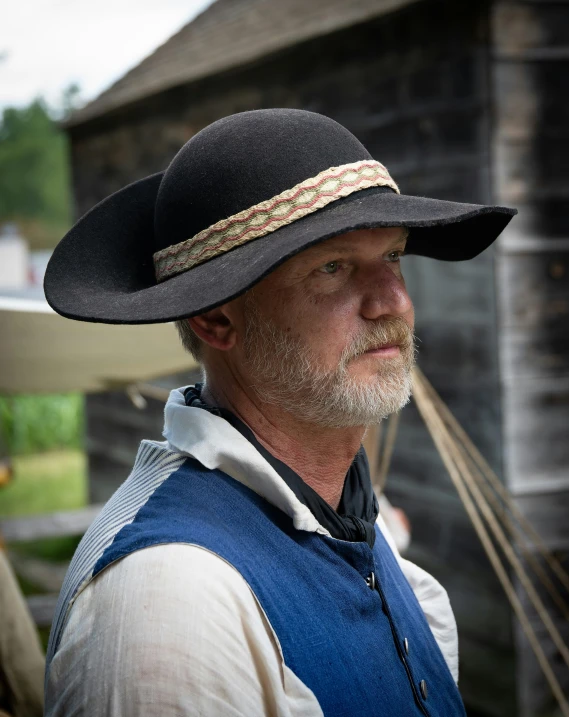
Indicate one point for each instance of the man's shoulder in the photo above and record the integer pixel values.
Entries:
(154, 463)
(170, 574)
(170, 598)
(169, 497)
(178, 628)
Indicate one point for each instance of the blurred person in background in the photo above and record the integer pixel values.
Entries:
(244, 568)
(22, 662)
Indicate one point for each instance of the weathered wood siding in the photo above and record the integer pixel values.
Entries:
(531, 163)
(115, 427)
(417, 88)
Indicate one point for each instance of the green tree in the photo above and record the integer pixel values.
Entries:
(71, 99)
(34, 168)
(33, 165)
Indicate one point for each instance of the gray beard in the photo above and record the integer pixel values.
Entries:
(285, 373)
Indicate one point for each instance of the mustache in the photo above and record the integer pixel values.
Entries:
(394, 331)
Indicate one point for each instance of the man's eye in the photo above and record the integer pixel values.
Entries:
(330, 268)
(398, 254)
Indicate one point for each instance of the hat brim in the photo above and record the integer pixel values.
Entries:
(102, 270)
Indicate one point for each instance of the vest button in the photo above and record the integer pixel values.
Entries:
(424, 691)
(370, 580)
(406, 645)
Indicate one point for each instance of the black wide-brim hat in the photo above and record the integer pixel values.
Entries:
(239, 198)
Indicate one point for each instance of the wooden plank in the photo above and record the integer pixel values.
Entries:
(531, 139)
(541, 354)
(105, 476)
(481, 610)
(536, 416)
(535, 696)
(115, 428)
(42, 608)
(548, 513)
(51, 525)
(512, 244)
(121, 453)
(530, 50)
(487, 678)
(450, 538)
(534, 290)
(44, 574)
(431, 283)
(522, 30)
(486, 652)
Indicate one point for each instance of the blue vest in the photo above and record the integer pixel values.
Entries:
(343, 613)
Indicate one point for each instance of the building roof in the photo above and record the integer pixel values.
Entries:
(230, 33)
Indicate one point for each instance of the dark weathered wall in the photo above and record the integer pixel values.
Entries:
(531, 143)
(115, 427)
(415, 88)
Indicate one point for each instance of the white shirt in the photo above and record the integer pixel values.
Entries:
(175, 630)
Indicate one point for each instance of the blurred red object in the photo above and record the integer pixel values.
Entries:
(6, 471)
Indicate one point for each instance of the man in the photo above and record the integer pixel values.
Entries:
(242, 568)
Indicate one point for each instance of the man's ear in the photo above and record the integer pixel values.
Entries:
(215, 328)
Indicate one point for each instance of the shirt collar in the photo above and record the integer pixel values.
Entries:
(353, 521)
(216, 444)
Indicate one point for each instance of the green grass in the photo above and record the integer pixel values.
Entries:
(36, 424)
(45, 483)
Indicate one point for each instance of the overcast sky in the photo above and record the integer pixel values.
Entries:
(47, 44)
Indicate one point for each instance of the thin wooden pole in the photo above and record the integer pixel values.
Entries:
(495, 482)
(444, 443)
(502, 539)
(387, 449)
(520, 539)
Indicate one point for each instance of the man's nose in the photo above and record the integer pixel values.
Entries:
(384, 293)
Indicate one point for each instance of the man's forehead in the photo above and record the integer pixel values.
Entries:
(348, 242)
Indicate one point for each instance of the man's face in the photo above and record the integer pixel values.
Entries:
(309, 329)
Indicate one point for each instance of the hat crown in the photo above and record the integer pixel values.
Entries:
(242, 160)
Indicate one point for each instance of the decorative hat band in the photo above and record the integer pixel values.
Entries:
(266, 217)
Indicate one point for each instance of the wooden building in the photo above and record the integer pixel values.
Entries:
(461, 101)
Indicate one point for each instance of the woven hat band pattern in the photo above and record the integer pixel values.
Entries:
(266, 217)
